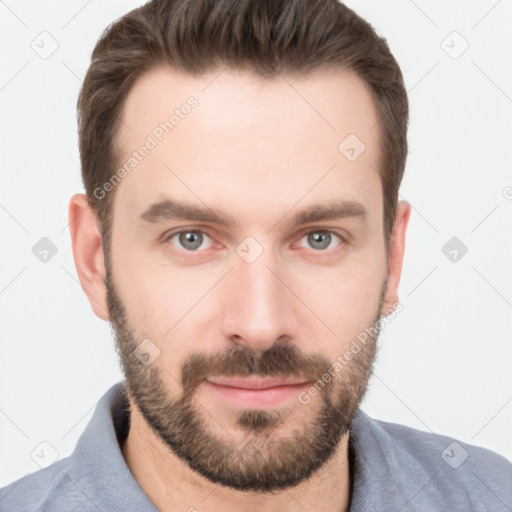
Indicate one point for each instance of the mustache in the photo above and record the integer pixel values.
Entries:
(280, 360)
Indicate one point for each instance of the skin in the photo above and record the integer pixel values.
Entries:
(258, 151)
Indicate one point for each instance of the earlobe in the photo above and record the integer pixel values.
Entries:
(88, 253)
(396, 256)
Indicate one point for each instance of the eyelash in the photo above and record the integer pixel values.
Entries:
(168, 236)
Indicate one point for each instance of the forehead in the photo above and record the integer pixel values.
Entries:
(235, 140)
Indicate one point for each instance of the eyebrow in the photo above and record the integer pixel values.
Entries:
(334, 210)
(168, 209)
(173, 210)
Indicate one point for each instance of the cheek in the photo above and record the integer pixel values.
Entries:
(172, 307)
(159, 302)
(345, 298)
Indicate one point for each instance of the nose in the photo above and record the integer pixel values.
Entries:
(258, 308)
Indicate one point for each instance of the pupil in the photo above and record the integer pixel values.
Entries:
(191, 240)
(321, 240)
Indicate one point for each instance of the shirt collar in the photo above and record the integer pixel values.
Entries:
(100, 463)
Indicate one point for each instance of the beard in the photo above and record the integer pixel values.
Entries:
(266, 452)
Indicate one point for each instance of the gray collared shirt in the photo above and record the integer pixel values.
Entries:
(395, 468)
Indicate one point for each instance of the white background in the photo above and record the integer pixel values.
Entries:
(446, 359)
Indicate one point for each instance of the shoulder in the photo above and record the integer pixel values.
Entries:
(433, 448)
(35, 491)
(440, 469)
(94, 477)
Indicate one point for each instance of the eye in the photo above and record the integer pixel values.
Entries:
(321, 240)
(191, 240)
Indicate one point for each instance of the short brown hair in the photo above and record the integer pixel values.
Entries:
(266, 37)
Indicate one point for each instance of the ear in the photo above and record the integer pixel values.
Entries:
(88, 253)
(396, 255)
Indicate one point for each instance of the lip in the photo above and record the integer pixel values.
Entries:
(255, 383)
(255, 392)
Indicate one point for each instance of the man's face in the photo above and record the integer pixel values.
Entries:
(253, 287)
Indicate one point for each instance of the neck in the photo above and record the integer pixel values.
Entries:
(171, 484)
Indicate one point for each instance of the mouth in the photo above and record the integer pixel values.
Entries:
(254, 391)
(254, 382)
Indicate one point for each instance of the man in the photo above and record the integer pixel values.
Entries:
(241, 231)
